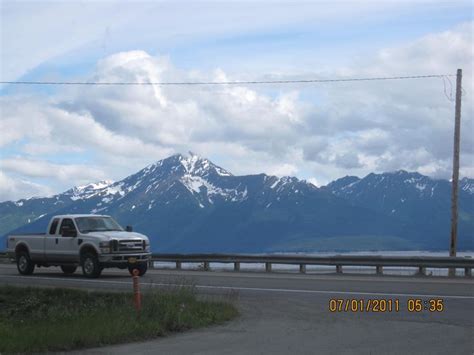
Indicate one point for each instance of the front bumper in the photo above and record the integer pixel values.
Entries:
(120, 258)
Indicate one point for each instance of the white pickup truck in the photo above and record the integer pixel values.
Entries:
(94, 242)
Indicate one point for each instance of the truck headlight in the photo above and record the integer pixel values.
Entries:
(146, 245)
(104, 247)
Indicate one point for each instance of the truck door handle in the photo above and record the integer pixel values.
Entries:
(56, 240)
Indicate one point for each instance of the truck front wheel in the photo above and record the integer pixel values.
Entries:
(24, 264)
(90, 265)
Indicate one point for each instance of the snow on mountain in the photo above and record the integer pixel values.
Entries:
(197, 185)
(195, 165)
(406, 183)
(87, 191)
(202, 177)
(467, 185)
(290, 185)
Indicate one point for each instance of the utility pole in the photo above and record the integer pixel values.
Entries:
(455, 181)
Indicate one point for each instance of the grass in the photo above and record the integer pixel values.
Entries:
(47, 319)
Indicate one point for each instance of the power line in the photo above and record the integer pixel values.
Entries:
(190, 83)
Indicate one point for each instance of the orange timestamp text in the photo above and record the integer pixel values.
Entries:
(382, 305)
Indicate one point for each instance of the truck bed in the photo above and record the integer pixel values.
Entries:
(35, 242)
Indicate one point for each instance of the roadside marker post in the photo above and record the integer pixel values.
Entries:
(137, 297)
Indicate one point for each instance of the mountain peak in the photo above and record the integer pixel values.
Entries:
(403, 173)
(194, 164)
(95, 185)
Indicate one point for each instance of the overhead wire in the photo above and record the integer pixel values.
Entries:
(252, 82)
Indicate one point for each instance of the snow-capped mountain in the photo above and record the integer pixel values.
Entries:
(186, 203)
(87, 191)
(393, 192)
(24, 211)
(419, 202)
(204, 181)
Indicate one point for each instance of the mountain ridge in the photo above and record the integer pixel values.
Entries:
(187, 204)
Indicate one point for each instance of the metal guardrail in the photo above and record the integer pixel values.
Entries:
(420, 262)
(379, 262)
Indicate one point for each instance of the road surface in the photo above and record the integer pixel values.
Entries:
(285, 313)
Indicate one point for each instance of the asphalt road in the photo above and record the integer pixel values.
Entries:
(289, 313)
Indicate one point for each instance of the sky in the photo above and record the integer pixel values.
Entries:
(56, 137)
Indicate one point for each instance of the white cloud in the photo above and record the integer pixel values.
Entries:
(314, 181)
(401, 124)
(72, 174)
(283, 170)
(322, 133)
(49, 128)
(13, 188)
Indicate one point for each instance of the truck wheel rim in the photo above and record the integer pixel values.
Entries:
(23, 263)
(88, 266)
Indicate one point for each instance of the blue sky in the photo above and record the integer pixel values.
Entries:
(314, 132)
(288, 42)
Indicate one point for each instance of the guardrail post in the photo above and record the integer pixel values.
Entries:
(268, 267)
(236, 266)
(379, 269)
(151, 264)
(422, 270)
(178, 265)
(303, 268)
(339, 269)
(206, 266)
(467, 272)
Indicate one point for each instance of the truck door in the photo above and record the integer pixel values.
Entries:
(51, 241)
(68, 241)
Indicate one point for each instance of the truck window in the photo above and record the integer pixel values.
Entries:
(54, 226)
(67, 224)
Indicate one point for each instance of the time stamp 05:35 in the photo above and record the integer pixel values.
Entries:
(381, 305)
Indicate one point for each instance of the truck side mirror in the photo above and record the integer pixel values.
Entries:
(129, 228)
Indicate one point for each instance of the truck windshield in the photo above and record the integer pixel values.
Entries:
(97, 224)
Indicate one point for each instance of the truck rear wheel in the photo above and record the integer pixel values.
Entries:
(142, 268)
(90, 265)
(68, 269)
(24, 264)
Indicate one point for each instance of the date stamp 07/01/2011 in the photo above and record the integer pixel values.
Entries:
(381, 305)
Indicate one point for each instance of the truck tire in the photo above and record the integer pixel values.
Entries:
(68, 269)
(142, 268)
(90, 265)
(24, 264)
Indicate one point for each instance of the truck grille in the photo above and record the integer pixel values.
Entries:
(130, 245)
